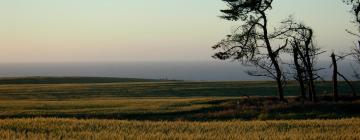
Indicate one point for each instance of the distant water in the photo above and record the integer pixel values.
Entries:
(198, 71)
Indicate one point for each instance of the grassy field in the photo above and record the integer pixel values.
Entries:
(154, 90)
(57, 129)
(79, 108)
(166, 100)
(172, 109)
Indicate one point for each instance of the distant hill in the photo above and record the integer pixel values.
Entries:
(70, 80)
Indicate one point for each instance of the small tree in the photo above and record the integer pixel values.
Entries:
(251, 42)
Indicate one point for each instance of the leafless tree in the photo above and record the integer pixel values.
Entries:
(299, 67)
(304, 55)
(334, 77)
(335, 58)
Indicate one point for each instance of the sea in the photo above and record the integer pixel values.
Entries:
(189, 71)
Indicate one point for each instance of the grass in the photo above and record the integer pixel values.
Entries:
(86, 109)
(106, 109)
(170, 100)
(172, 109)
(57, 129)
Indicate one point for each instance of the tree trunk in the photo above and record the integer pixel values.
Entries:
(312, 85)
(309, 69)
(335, 73)
(273, 59)
(299, 72)
(280, 89)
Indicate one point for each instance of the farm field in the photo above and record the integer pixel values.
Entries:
(172, 110)
(165, 100)
(57, 129)
(143, 89)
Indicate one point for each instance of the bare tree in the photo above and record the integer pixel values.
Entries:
(299, 67)
(304, 55)
(334, 77)
(336, 73)
(251, 42)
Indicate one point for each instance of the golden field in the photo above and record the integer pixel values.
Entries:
(171, 110)
(52, 128)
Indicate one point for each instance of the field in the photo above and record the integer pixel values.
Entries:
(106, 108)
(41, 129)
(162, 89)
(172, 109)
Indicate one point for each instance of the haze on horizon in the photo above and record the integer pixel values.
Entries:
(144, 30)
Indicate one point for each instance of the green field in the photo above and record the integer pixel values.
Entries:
(70, 91)
(157, 109)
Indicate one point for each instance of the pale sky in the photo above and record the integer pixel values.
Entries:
(143, 30)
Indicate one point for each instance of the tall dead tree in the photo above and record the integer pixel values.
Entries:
(307, 53)
(336, 73)
(334, 77)
(300, 70)
(251, 42)
(304, 55)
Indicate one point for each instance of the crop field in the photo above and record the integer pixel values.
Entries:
(142, 109)
(173, 109)
(114, 109)
(57, 129)
(162, 100)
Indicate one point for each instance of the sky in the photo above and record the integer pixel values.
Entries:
(144, 30)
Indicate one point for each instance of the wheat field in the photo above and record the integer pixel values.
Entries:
(53, 128)
(169, 110)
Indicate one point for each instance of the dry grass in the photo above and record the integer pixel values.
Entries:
(110, 108)
(40, 128)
